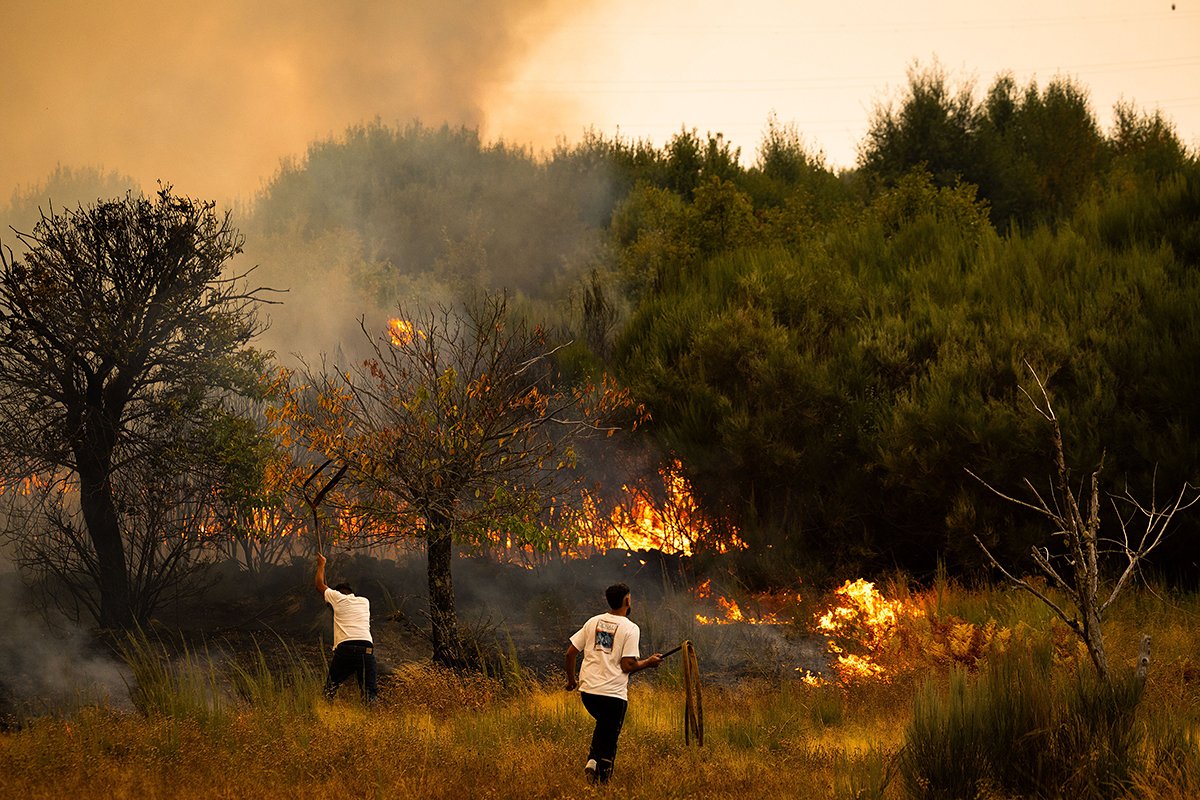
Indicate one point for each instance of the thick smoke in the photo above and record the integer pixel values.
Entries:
(50, 666)
(209, 97)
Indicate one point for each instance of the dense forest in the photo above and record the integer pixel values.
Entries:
(826, 352)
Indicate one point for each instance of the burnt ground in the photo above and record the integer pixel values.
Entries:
(505, 612)
(509, 611)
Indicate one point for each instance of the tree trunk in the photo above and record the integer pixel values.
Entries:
(447, 643)
(104, 528)
(1093, 638)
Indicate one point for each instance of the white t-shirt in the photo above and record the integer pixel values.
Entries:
(351, 616)
(604, 640)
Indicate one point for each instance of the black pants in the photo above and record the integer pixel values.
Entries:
(609, 713)
(355, 658)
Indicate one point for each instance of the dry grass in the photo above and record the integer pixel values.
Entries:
(436, 735)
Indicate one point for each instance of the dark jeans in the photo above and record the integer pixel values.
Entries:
(355, 658)
(609, 713)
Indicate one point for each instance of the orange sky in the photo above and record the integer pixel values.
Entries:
(210, 96)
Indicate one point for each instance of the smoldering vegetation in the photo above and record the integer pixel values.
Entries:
(512, 617)
(519, 613)
(384, 217)
(50, 665)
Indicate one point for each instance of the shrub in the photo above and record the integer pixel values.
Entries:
(1018, 731)
(184, 687)
(286, 684)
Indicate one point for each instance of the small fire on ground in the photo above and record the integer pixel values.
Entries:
(733, 613)
(861, 627)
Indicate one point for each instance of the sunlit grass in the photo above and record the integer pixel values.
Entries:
(758, 738)
(212, 726)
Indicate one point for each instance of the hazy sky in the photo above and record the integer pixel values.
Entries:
(211, 95)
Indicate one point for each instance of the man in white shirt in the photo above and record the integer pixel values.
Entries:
(353, 648)
(609, 643)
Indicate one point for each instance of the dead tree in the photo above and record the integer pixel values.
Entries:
(1090, 569)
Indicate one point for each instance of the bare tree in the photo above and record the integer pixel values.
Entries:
(454, 430)
(1089, 568)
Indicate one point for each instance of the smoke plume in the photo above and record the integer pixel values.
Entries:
(210, 96)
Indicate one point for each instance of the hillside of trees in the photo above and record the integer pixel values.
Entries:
(827, 353)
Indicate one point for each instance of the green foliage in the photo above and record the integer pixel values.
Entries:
(1057, 131)
(725, 217)
(738, 364)
(784, 159)
(649, 229)
(1019, 730)
(828, 391)
(1146, 144)
(690, 161)
(241, 452)
(934, 126)
(184, 687)
(1139, 210)
(1034, 153)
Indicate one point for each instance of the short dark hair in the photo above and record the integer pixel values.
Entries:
(616, 595)
(344, 588)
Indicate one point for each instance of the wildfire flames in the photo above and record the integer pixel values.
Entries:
(861, 627)
(401, 331)
(733, 612)
(669, 521)
(639, 521)
(869, 621)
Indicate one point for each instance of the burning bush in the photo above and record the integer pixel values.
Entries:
(867, 634)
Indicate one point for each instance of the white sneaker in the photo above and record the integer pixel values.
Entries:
(589, 769)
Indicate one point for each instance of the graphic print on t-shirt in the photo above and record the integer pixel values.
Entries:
(605, 631)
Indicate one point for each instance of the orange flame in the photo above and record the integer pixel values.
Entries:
(869, 621)
(401, 331)
(733, 612)
(641, 522)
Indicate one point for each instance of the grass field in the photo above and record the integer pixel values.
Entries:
(211, 727)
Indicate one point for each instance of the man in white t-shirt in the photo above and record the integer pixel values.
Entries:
(353, 648)
(609, 643)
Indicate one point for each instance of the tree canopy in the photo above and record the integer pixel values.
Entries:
(119, 334)
(823, 351)
(457, 429)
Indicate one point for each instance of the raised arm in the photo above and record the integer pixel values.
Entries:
(320, 576)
